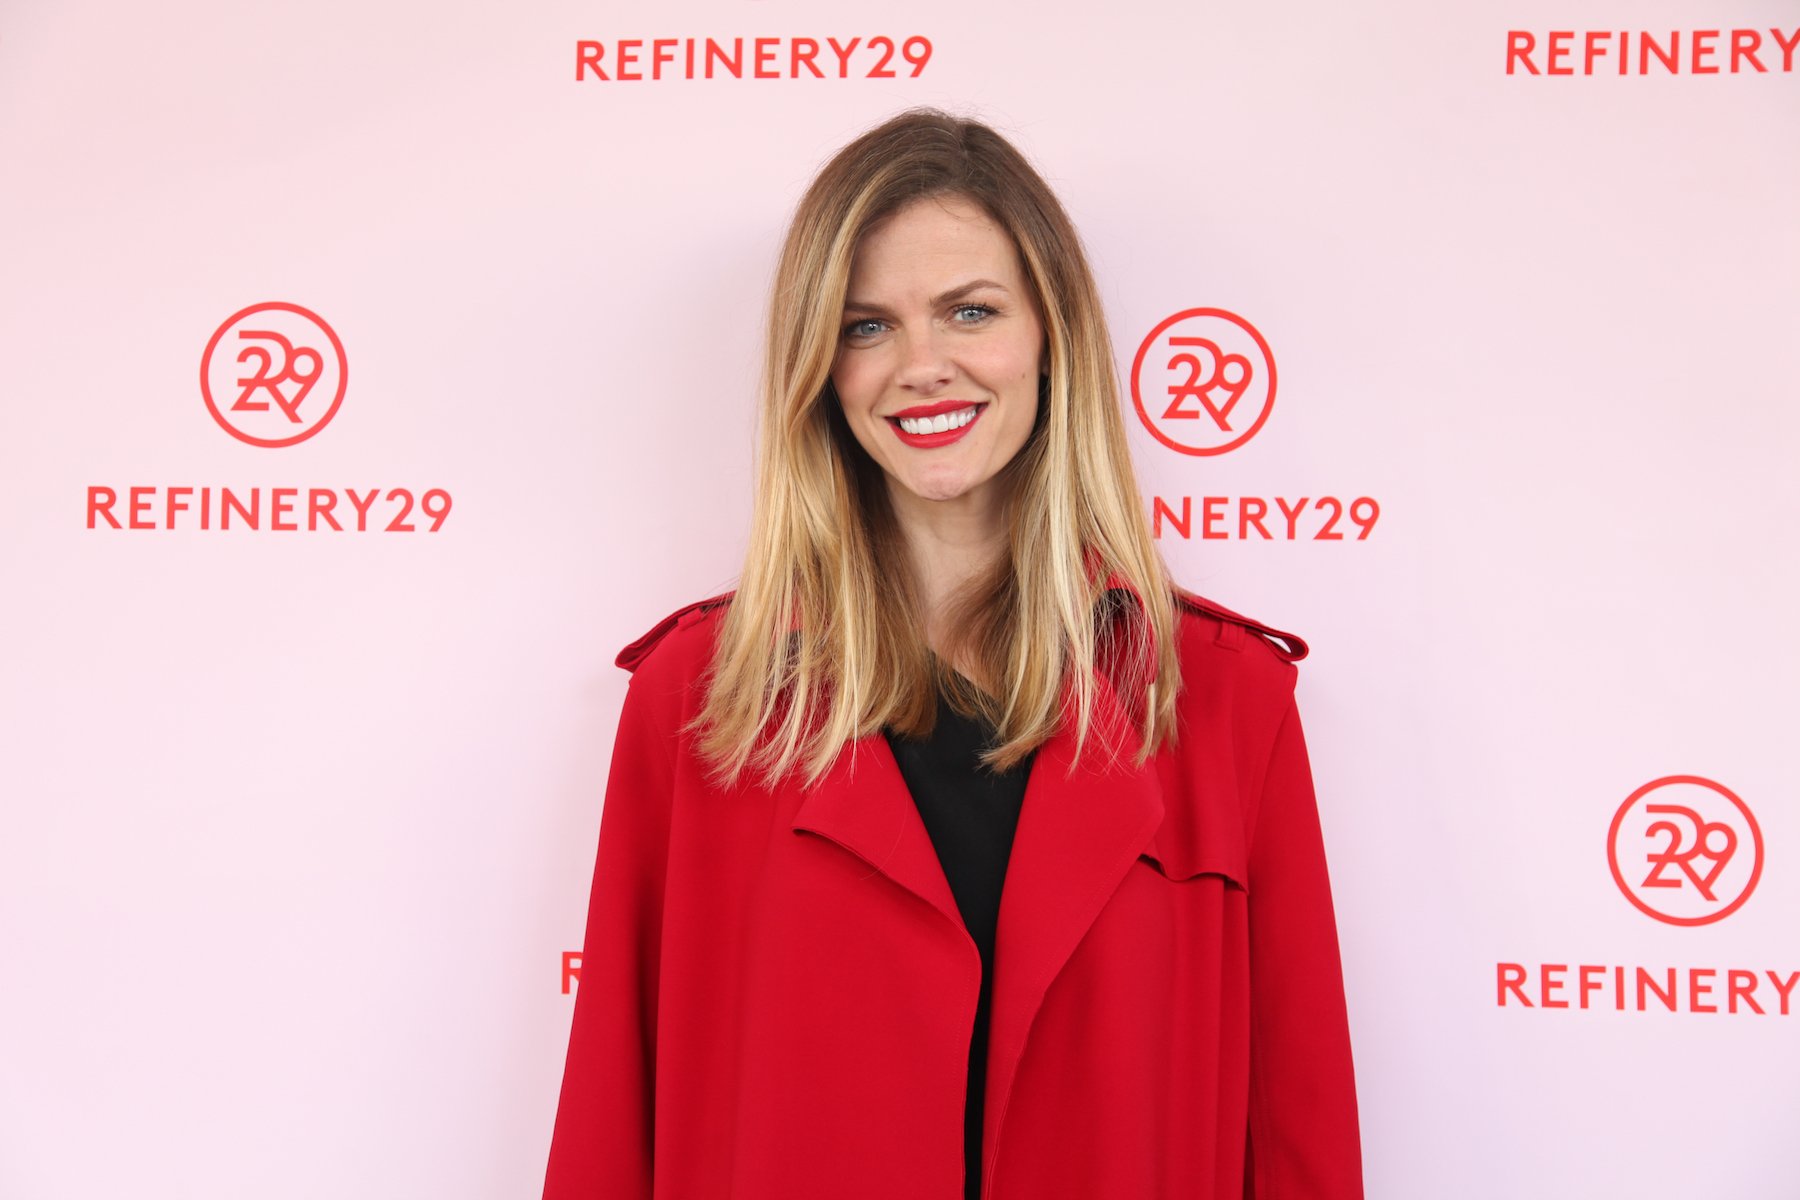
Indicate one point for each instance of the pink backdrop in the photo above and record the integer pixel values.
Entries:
(299, 822)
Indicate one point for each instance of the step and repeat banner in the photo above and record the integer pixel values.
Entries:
(374, 372)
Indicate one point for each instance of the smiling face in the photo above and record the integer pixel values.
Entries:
(939, 353)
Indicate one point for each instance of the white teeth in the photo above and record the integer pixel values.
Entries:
(939, 423)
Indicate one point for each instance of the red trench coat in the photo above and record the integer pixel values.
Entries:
(777, 989)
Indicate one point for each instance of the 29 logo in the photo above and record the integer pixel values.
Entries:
(1203, 381)
(1685, 850)
(261, 368)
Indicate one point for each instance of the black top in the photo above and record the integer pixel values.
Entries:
(971, 813)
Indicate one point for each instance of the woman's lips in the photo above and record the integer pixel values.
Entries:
(926, 441)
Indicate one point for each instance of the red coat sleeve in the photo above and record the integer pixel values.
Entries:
(604, 1137)
(1304, 1137)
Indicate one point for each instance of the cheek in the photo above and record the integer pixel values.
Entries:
(1024, 420)
(852, 390)
(1027, 413)
(1016, 360)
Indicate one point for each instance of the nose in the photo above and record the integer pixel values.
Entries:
(924, 364)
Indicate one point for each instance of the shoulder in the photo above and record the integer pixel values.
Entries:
(1233, 630)
(684, 617)
(677, 640)
(668, 659)
(1218, 643)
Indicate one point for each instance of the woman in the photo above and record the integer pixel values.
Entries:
(954, 659)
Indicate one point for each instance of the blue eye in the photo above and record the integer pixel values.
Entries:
(853, 328)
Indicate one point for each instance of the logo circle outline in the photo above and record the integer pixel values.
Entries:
(1756, 838)
(1137, 398)
(212, 343)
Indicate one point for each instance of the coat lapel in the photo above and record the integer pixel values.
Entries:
(1078, 835)
(862, 803)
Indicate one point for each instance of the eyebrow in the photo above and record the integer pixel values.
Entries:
(955, 293)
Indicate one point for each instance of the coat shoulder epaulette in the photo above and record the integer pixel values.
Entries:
(1231, 631)
(637, 651)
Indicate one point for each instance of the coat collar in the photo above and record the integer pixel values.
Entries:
(1079, 831)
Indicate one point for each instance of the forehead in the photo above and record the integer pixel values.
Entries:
(930, 239)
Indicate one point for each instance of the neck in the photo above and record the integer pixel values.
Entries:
(948, 543)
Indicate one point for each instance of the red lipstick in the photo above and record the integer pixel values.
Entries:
(926, 441)
(932, 409)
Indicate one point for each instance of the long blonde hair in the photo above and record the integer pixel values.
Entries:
(820, 644)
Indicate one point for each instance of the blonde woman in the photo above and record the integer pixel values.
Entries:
(957, 852)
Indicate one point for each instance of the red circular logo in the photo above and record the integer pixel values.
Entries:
(1203, 381)
(1685, 850)
(273, 374)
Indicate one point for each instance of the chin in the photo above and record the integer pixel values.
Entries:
(939, 489)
